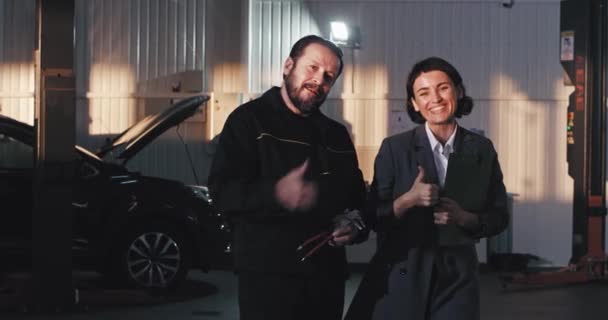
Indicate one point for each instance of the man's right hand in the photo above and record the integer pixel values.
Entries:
(421, 194)
(293, 192)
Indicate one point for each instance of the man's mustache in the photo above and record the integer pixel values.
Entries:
(315, 88)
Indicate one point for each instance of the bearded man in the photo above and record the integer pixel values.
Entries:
(288, 178)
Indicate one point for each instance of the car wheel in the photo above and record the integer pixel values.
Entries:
(155, 258)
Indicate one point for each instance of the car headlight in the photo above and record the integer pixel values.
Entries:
(201, 192)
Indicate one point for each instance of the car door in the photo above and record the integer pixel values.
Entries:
(87, 199)
(16, 171)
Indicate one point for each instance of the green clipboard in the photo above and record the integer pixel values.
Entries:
(467, 182)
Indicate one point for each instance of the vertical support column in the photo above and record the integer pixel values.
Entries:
(52, 288)
(583, 25)
(596, 199)
(574, 24)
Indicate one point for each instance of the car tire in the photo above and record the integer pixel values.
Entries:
(155, 257)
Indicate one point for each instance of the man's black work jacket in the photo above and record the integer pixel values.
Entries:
(262, 141)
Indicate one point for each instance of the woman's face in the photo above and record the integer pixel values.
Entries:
(435, 97)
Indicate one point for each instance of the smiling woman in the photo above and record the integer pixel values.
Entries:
(435, 98)
(436, 83)
(427, 224)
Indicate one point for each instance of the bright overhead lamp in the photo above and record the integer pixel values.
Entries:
(344, 36)
(339, 31)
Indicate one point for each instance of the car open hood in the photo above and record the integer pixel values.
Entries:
(124, 146)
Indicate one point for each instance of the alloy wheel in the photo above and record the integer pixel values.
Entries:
(153, 260)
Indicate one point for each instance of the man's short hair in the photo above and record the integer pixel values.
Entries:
(298, 49)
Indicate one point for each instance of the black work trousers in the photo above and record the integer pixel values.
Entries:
(270, 296)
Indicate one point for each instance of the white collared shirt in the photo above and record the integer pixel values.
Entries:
(441, 153)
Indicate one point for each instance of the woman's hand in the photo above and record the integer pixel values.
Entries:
(449, 211)
(421, 194)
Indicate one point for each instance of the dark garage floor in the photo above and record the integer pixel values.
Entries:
(213, 296)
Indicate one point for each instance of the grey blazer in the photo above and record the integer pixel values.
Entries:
(415, 236)
(396, 168)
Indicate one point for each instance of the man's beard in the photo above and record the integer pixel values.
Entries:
(305, 106)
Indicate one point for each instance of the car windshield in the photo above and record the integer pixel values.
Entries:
(113, 149)
(149, 128)
(135, 130)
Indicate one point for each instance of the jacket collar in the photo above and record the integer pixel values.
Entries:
(463, 141)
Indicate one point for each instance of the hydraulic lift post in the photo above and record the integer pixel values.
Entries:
(583, 43)
(52, 288)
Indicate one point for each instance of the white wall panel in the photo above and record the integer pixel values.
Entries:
(129, 51)
(139, 38)
(481, 38)
(275, 26)
(226, 42)
(17, 39)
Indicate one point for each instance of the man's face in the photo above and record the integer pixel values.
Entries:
(309, 78)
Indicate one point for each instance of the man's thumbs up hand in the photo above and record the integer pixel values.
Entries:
(293, 192)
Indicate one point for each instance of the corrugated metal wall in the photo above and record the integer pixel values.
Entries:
(145, 39)
(123, 47)
(17, 40)
(129, 52)
(508, 59)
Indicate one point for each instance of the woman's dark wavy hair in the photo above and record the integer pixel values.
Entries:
(464, 104)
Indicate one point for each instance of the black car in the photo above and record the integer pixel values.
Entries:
(143, 230)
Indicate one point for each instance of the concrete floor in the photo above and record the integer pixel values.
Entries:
(213, 296)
